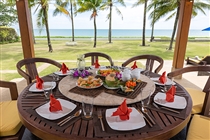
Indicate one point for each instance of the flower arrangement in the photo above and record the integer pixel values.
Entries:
(81, 73)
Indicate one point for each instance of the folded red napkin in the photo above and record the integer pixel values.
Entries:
(39, 83)
(170, 94)
(64, 68)
(55, 105)
(134, 65)
(163, 78)
(123, 111)
(97, 65)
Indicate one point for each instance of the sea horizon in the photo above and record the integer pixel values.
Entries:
(116, 33)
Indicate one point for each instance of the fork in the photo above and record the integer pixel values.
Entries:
(100, 118)
(144, 109)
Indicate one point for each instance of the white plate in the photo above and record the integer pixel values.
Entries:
(136, 120)
(69, 72)
(89, 87)
(178, 103)
(44, 111)
(156, 81)
(110, 87)
(34, 89)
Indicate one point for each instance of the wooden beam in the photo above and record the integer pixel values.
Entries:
(186, 7)
(25, 26)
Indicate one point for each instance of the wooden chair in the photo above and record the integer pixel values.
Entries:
(196, 95)
(96, 55)
(31, 70)
(200, 124)
(11, 127)
(149, 59)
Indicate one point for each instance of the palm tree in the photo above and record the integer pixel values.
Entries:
(61, 7)
(111, 5)
(164, 7)
(42, 18)
(95, 6)
(152, 16)
(139, 2)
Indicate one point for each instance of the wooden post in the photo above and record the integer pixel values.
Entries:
(25, 26)
(182, 33)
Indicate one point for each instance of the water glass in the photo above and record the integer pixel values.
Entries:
(55, 77)
(87, 107)
(148, 102)
(47, 87)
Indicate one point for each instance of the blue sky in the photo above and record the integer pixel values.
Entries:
(132, 19)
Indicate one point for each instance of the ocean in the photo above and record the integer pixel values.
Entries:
(117, 33)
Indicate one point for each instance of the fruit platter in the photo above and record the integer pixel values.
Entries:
(105, 72)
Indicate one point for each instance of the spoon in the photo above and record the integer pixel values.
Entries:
(76, 114)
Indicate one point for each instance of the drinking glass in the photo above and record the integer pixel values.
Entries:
(147, 69)
(55, 76)
(87, 107)
(47, 87)
(148, 102)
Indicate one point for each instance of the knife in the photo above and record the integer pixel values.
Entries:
(145, 118)
(165, 108)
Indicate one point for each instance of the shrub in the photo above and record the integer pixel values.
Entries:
(8, 35)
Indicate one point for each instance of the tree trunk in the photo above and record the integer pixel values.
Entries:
(144, 24)
(47, 31)
(174, 30)
(110, 23)
(72, 23)
(153, 25)
(95, 32)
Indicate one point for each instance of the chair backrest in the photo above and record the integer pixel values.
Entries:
(150, 59)
(206, 89)
(206, 105)
(31, 69)
(206, 59)
(95, 55)
(12, 87)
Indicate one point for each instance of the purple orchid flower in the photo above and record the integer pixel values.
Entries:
(76, 73)
(118, 76)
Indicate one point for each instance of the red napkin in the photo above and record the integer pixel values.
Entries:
(39, 83)
(123, 111)
(134, 65)
(97, 65)
(170, 94)
(163, 78)
(64, 68)
(55, 105)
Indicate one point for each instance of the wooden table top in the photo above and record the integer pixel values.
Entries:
(167, 124)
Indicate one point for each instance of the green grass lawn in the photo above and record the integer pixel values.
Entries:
(119, 50)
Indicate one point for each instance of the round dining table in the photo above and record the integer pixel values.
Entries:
(167, 124)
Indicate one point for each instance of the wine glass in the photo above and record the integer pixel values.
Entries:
(147, 69)
(54, 75)
(148, 102)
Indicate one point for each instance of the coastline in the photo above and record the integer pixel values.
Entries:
(157, 39)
